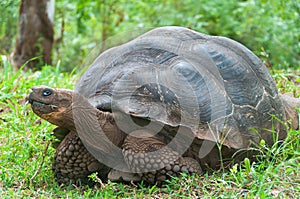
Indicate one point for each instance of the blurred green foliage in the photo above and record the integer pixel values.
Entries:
(270, 28)
(8, 24)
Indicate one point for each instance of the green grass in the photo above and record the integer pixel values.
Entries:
(24, 138)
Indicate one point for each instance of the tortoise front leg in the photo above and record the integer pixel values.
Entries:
(154, 160)
(73, 163)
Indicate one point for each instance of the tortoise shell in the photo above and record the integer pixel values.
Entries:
(177, 77)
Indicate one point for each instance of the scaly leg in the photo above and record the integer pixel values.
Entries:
(154, 160)
(73, 163)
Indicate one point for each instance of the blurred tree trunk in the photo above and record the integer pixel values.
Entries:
(35, 35)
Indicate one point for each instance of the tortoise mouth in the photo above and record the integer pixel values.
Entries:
(30, 99)
(41, 107)
(37, 103)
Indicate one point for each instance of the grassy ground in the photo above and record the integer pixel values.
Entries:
(25, 165)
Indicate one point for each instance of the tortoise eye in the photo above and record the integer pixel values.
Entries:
(46, 92)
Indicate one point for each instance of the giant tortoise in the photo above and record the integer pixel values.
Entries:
(172, 100)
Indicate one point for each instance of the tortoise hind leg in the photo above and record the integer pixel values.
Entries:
(291, 104)
(154, 160)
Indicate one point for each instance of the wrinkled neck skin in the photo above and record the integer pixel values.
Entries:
(90, 124)
(291, 104)
(65, 119)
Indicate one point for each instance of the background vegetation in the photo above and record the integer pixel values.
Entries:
(269, 28)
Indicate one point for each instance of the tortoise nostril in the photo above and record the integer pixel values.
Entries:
(33, 88)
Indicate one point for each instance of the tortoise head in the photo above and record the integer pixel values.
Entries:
(53, 105)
